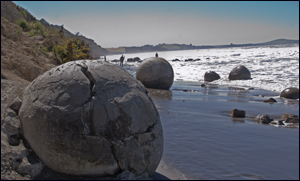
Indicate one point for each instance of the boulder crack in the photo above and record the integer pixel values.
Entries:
(88, 74)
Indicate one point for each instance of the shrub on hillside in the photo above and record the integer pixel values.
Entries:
(31, 33)
(40, 29)
(72, 50)
(37, 29)
(23, 14)
(24, 25)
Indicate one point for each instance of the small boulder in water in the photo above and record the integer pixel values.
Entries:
(280, 122)
(271, 100)
(238, 113)
(290, 93)
(290, 118)
(265, 118)
(239, 73)
(211, 76)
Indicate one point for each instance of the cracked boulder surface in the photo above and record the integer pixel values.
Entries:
(90, 117)
(156, 73)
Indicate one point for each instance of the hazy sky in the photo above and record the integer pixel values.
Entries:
(137, 23)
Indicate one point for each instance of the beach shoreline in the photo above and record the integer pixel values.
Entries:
(190, 113)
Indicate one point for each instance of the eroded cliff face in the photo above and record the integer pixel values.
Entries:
(21, 57)
(9, 12)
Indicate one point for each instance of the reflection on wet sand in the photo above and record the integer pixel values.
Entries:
(199, 132)
(160, 93)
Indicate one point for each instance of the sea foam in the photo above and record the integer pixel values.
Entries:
(272, 67)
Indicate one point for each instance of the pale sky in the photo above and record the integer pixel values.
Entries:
(137, 23)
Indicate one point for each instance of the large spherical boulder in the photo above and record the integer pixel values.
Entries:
(155, 72)
(211, 76)
(92, 118)
(290, 93)
(239, 73)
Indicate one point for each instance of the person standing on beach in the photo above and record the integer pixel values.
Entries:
(105, 58)
(156, 55)
(122, 60)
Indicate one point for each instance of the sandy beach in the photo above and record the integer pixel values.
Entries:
(202, 140)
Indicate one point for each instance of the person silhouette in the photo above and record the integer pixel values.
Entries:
(122, 60)
(156, 55)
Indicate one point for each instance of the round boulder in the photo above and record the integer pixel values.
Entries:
(92, 118)
(239, 73)
(290, 93)
(155, 72)
(211, 76)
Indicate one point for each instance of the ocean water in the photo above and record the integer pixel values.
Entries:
(202, 140)
(272, 67)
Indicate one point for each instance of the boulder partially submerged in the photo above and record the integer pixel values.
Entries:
(290, 118)
(92, 118)
(290, 93)
(238, 113)
(211, 76)
(240, 73)
(265, 118)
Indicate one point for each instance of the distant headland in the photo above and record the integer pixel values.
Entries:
(172, 47)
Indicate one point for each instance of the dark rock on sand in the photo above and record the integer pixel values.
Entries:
(155, 72)
(16, 104)
(211, 76)
(238, 113)
(265, 118)
(290, 93)
(189, 90)
(271, 100)
(189, 60)
(92, 118)
(136, 59)
(115, 60)
(280, 122)
(130, 60)
(239, 73)
(176, 60)
(290, 118)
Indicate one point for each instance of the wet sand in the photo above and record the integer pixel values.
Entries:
(202, 140)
